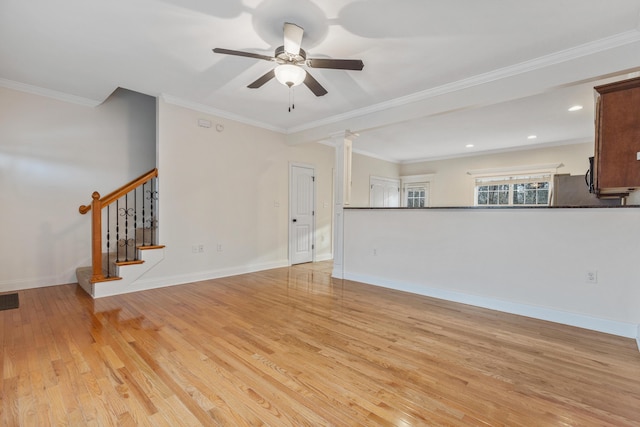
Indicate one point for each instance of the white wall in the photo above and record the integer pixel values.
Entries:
(229, 188)
(526, 261)
(53, 155)
(452, 186)
(362, 168)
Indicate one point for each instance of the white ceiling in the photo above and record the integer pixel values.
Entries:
(438, 75)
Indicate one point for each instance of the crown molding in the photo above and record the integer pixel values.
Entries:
(174, 100)
(375, 156)
(331, 143)
(522, 169)
(621, 39)
(491, 152)
(37, 90)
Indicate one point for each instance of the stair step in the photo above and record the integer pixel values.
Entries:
(107, 279)
(128, 272)
(145, 247)
(135, 261)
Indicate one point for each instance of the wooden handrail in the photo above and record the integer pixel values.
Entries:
(97, 203)
(116, 194)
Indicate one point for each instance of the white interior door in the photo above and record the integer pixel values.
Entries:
(384, 192)
(301, 214)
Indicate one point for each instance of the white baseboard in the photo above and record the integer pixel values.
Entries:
(623, 329)
(324, 257)
(181, 279)
(37, 282)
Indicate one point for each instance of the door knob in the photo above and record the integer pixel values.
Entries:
(295, 220)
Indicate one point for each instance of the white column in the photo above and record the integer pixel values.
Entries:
(342, 195)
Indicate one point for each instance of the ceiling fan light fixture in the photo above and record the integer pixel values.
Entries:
(290, 75)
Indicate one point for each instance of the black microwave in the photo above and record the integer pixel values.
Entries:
(588, 177)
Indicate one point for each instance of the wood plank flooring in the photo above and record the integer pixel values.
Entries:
(292, 347)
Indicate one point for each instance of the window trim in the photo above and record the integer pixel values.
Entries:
(408, 181)
(511, 181)
(504, 173)
(420, 186)
(548, 168)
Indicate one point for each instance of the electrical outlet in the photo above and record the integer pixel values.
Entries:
(219, 248)
(200, 248)
(194, 249)
(592, 276)
(375, 252)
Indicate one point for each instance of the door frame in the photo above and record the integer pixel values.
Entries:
(313, 207)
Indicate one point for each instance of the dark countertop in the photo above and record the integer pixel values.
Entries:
(496, 207)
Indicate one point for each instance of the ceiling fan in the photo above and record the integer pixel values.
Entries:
(291, 58)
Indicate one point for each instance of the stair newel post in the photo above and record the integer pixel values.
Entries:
(96, 234)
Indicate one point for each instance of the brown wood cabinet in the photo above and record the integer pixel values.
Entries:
(616, 165)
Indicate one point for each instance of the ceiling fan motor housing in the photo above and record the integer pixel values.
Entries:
(285, 56)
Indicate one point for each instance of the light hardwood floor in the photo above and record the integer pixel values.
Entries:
(292, 347)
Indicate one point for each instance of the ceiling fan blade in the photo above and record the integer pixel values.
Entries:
(315, 87)
(240, 53)
(262, 80)
(337, 64)
(292, 38)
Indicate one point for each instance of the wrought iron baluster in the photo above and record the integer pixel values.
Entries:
(151, 196)
(126, 227)
(125, 213)
(155, 222)
(153, 231)
(135, 224)
(117, 231)
(108, 241)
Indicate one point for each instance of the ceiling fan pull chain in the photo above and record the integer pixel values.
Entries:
(292, 104)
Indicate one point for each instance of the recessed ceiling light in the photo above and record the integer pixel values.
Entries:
(576, 108)
(532, 137)
(469, 146)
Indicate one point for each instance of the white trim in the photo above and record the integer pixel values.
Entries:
(165, 281)
(559, 57)
(170, 99)
(638, 338)
(384, 178)
(129, 274)
(417, 179)
(490, 152)
(64, 278)
(550, 168)
(326, 257)
(49, 93)
(313, 207)
(613, 327)
(36, 282)
(388, 183)
(423, 180)
(331, 143)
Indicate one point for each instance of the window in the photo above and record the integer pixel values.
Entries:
(415, 196)
(513, 191)
(492, 195)
(531, 193)
(415, 190)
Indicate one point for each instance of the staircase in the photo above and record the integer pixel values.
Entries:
(124, 237)
(125, 273)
